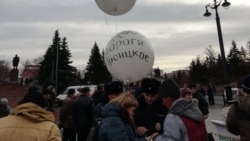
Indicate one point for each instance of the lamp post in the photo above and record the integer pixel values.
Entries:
(215, 6)
(57, 54)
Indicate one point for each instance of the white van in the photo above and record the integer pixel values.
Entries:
(61, 97)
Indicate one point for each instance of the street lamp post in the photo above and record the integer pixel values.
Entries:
(57, 54)
(215, 6)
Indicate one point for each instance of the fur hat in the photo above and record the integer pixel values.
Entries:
(185, 91)
(246, 84)
(4, 100)
(150, 85)
(33, 96)
(114, 87)
(169, 88)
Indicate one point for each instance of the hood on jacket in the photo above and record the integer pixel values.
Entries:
(243, 103)
(33, 112)
(186, 108)
(111, 109)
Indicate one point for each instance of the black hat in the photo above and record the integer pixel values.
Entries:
(192, 86)
(246, 84)
(4, 111)
(169, 88)
(85, 89)
(114, 87)
(71, 92)
(150, 85)
(100, 86)
(33, 96)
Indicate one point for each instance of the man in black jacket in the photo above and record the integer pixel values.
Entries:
(202, 102)
(150, 114)
(82, 109)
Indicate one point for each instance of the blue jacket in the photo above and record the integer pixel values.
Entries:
(113, 127)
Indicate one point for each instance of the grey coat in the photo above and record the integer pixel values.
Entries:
(174, 129)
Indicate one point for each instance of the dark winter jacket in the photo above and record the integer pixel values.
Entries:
(176, 129)
(238, 118)
(147, 115)
(97, 96)
(202, 102)
(113, 127)
(82, 109)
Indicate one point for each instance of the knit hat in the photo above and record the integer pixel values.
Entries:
(246, 84)
(185, 91)
(150, 85)
(33, 96)
(169, 88)
(114, 87)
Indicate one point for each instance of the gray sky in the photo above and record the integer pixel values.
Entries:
(177, 29)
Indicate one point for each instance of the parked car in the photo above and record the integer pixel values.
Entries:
(61, 97)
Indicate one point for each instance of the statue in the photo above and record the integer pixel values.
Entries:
(15, 61)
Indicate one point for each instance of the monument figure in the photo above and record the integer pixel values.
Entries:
(15, 61)
(14, 72)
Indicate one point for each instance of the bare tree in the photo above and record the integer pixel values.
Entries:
(210, 56)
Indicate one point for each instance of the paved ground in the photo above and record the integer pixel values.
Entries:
(215, 113)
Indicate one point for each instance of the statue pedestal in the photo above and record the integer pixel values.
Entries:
(14, 75)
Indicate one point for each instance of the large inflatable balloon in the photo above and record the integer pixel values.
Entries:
(115, 7)
(129, 56)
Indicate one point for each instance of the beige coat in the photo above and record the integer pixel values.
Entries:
(29, 122)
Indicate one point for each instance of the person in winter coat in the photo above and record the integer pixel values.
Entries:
(82, 115)
(29, 121)
(4, 111)
(184, 121)
(150, 114)
(238, 117)
(6, 102)
(49, 95)
(99, 93)
(111, 90)
(117, 123)
(65, 118)
(202, 102)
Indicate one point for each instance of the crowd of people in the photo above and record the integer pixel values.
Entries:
(156, 111)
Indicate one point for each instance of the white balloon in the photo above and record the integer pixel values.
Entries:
(129, 56)
(115, 7)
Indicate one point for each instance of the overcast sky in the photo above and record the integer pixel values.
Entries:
(177, 29)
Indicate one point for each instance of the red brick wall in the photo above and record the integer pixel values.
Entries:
(13, 92)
